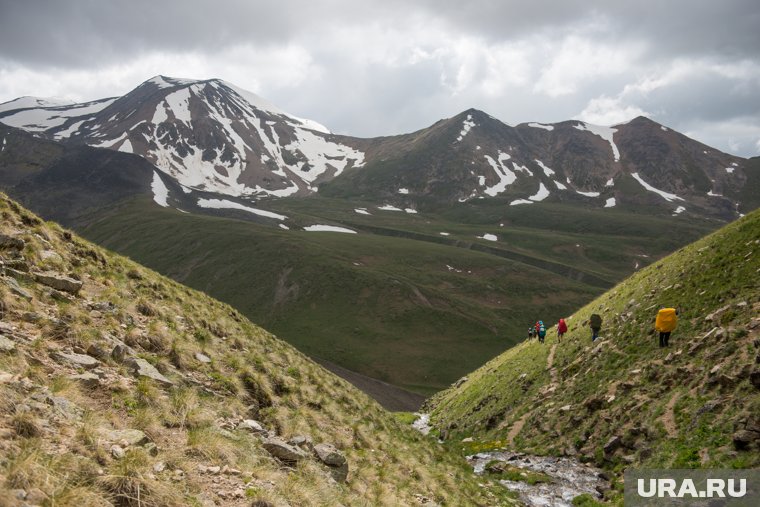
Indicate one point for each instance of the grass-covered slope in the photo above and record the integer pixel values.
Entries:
(121, 387)
(413, 313)
(623, 400)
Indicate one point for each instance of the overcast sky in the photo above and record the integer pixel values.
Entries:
(369, 68)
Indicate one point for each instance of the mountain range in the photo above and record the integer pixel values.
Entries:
(213, 137)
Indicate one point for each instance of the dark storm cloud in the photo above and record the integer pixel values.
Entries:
(74, 32)
(390, 66)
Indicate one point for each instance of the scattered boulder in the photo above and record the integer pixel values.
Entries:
(612, 445)
(59, 282)
(303, 442)
(88, 379)
(64, 407)
(16, 289)
(117, 451)
(334, 459)
(460, 382)
(283, 451)
(743, 439)
(77, 360)
(717, 313)
(253, 426)
(203, 358)
(97, 351)
(142, 368)
(119, 353)
(6, 345)
(11, 242)
(127, 437)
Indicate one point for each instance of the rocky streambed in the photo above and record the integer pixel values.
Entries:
(540, 481)
(566, 477)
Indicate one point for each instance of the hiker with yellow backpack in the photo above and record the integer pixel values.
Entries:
(667, 319)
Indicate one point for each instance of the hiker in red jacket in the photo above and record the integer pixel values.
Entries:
(561, 329)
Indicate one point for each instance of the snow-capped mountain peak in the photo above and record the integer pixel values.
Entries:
(209, 135)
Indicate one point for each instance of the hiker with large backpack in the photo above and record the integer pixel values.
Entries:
(530, 333)
(595, 323)
(541, 331)
(665, 323)
(561, 329)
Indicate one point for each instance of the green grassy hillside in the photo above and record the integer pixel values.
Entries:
(623, 401)
(121, 387)
(398, 301)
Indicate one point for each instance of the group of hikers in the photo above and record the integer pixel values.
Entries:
(665, 323)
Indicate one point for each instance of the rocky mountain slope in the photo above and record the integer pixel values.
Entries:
(637, 165)
(211, 136)
(623, 401)
(120, 387)
(207, 135)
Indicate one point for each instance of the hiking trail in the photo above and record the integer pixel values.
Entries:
(669, 418)
(550, 364)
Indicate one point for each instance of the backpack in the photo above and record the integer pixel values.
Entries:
(595, 321)
(666, 320)
(562, 326)
(541, 331)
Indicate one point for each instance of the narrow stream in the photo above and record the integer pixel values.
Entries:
(569, 477)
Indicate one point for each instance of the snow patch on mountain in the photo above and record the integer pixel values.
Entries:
(362, 211)
(327, 228)
(322, 153)
(559, 185)
(610, 203)
(542, 193)
(389, 207)
(541, 126)
(160, 192)
(713, 194)
(547, 171)
(160, 115)
(33, 102)
(404, 191)
(179, 104)
(44, 118)
(520, 201)
(488, 237)
(610, 183)
(126, 146)
(605, 133)
(588, 194)
(65, 134)
(226, 204)
(466, 126)
(506, 176)
(679, 210)
(665, 195)
(730, 170)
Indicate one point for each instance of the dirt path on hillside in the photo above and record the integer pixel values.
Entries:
(517, 427)
(550, 364)
(669, 417)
